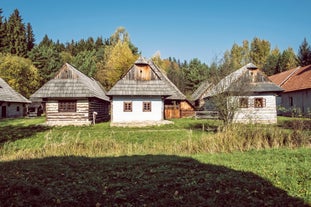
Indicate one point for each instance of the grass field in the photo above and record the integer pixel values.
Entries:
(188, 163)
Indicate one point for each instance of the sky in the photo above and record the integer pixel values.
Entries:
(184, 29)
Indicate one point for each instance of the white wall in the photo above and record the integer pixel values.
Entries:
(11, 110)
(137, 114)
(267, 114)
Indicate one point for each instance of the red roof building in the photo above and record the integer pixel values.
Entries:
(296, 97)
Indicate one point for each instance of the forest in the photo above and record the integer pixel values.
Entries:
(26, 64)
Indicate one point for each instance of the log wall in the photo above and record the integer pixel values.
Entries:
(102, 109)
(80, 117)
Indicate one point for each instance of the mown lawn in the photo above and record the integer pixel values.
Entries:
(174, 165)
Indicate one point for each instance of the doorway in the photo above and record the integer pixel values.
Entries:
(3, 110)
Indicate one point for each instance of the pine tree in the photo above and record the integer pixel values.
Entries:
(16, 34)
(3, 42)
(304, 53)
(194, 74)
(30, 38)
(272, 64)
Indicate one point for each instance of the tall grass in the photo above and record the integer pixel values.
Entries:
(184, 137)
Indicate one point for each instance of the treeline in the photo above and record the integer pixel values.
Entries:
(26, 66)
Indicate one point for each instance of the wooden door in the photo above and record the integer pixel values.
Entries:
(172, 112)
(3, 110)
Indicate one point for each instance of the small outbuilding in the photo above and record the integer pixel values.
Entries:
(12, 104)
(72, 98)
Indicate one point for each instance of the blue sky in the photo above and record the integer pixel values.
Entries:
(184, 29)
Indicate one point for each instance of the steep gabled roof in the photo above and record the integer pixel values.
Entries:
(294, 79)
(8, 94)
(71, 83)
(201, 90)
(246, 79)
(144, 78)
(176, 93)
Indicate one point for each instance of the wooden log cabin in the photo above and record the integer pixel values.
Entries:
(72, 98)
(144, 93)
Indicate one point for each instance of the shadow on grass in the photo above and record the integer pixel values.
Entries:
(133, 181)
(15, 132)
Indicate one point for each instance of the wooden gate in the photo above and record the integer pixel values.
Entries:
(172, 112)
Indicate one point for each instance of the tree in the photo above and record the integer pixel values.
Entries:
(16, 35)
(272, 64)
(288, 60)
(30, 38)
(117, 60)
(259, 52)
(3, 35)
(304, 53)
(86, 62)
(236, 54)
(122, 35)
(47, 59)
(20, 74)
(194, 74)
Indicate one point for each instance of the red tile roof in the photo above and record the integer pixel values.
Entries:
(294, 79)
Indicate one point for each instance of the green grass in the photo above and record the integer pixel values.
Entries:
(171, 165)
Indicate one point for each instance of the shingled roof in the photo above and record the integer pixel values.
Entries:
(155, 84)
(8, 94)
(294, 79)
(201, 90)
(247, 79)
(71, 83)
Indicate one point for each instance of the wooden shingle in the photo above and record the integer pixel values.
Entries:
(146, 78)
(71, 83)
(8, 94)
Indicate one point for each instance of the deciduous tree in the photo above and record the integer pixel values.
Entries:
(259, 52)
(288, 60)
(20, 74)
(118, 58)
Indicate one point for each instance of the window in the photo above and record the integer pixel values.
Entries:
(259, 102)
(17, 108)
(243, 103)
(67, 106)
(127, 106)
(146, 106)
(291, 101)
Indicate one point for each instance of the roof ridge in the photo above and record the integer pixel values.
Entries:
(289, 76)
(168, 80)
(7, 88)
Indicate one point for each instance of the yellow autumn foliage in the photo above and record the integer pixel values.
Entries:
(20, 74)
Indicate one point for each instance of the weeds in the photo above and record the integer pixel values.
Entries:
(186, 137)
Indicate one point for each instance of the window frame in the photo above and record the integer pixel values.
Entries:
(262, 102)
(67, 106)
(291, 101)
(244, 102)
(127, 106)
(147, 107)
